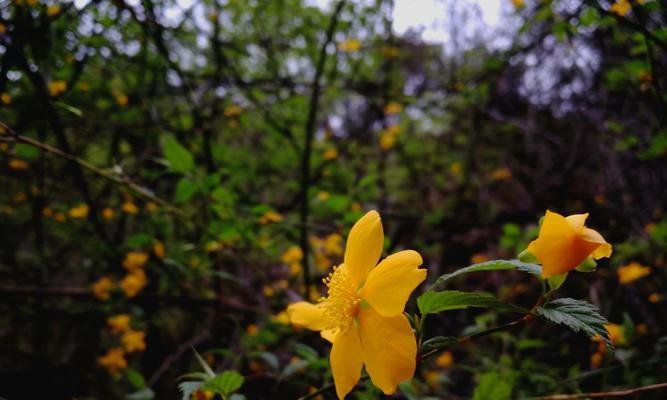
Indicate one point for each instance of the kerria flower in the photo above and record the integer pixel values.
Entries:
(564, 243)
(362, 314)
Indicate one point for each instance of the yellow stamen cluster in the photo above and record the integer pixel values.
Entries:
(341, 302)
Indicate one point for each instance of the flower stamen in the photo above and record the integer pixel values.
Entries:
(342, 302)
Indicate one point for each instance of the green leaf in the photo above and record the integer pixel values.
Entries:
(494, 265)
(25, 151)
(185, 190)
(135, 378)
(225, 383)
(578, 315)
(138, 241)
(69, 108)
(180, 159)
(438, 342)
(556, 281)
(492, 386)
(187, 388)
(588, 265)
(432, 302)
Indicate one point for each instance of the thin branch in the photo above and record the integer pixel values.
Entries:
(597, 395)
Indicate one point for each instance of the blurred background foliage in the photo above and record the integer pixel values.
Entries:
(174, 173)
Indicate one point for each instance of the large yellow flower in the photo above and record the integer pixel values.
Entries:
(564, 243)
(362, 314)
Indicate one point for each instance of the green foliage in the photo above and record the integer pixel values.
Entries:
(179, 158)
(495, 265)
(433, 302)
(224, 383)
(492, 386)
(577, 315)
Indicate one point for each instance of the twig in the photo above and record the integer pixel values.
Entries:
(136, 189)
(595, 395)
(308, 144)
(172, 358)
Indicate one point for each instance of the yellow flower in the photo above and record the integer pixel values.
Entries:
(59, 217)
(119, 323)
(121, 99)
(158, 249)
(270, 216)
(621, 8)
(392, 108)
(52, 11)
(445, 360)
(135, 260)
(3, 28)
(6, 98)
(233, 111)
(102, 287)
(596, 359)
(478, 258)
(47, 212)
(654, 298)
(292, 255)
(129, 207)
(57, 87)
(350, 45)
(202, 395)
(194, 262)
(362, 314)
(456, 169)
(151, 207)
(133, 282)
(280, 318)
(631, 272)
(564, 243)
(518, 3)
(322, 195)
(80, 211)
(330, 154)
(333, 244)
(113, 361)
(107, 213)
(616, 335)
(133, 341)
(251, 330)
(18, 164)
(501, 174)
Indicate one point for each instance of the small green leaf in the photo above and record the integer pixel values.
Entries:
(492, 386)
(578, 315)
(432, 302)
(185, 190)
(225, 383)
(495, 265)
(588, 265)
(135, 378)
(180, 159)
(556, 281)
(25, 151)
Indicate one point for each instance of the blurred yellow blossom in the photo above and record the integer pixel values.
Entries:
(3, 28)
(129, 207)
(57, 87)
(330, 154)
(478, 258)
(642, 329)
(293, 254)
(654, 298)
(280, 318)
(621, 7)
(114, 361)
(392, 108)
(102, 287)
(631, 272)
(333, 244)
(151, 207)
(252, 330)
(59, 217)
(20, 197)
(388, 137)
(47, 212)
(213, 246)
(119, 323)
(501, 174)
(52, 11)
(121, 99)
(158, 249)
(194, 262)
(202, 395)
(134, 341)
(270, 216)
(133, 282)
(233, 111)
(322, 195)
(80, 211)
(18, 164)
(445, 360)
(596, 359)
(107, 213)
(518, 3)
(135, 260)
(350, 45)
(6, 98)
(455, 169)
(268, 291)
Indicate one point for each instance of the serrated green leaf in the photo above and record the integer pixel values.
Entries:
(432, 302)
(438, 342)
(578, 315)
(187, 388)
(179, 158)
(224, 383)
(494, 265)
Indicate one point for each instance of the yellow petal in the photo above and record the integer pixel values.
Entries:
(577, 220)
(307, 315)
(592, 236)
(390, 284)
(364, 246)
(346, 361)
(554, 223)
(389, 349)
(329, 334)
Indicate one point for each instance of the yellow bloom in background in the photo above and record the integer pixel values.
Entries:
(107, 213)
(280, 318)
(135, 260)
(270, 216)
(333, 244)
(501, 174)
(456, 169)
(330, 154)
(119, 323)
(57, 87)
(129, 207)
(3, 28)
(392, 108)
(650, 228)
(596, 359)
(621, 8)
(445, 360)
(102, 287)
(478, 258)
(121, 99)
(59, 217)
(133, 341)
(564, 243)
(6, 98)
(158, 249)
(616, 335)
(252, 330)
(80, 211)
(350, 45)
(518, 3)
(388, 137)
(233, 111)
(362, 314)
(322, 195)
(52, 11)
(293, 254)
(631, 272)
(654, 298)
(17, 164)
(114, 361)
(151, 207)
(47, 212)
(133, 282)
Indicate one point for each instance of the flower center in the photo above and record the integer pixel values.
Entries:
(341, 302)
